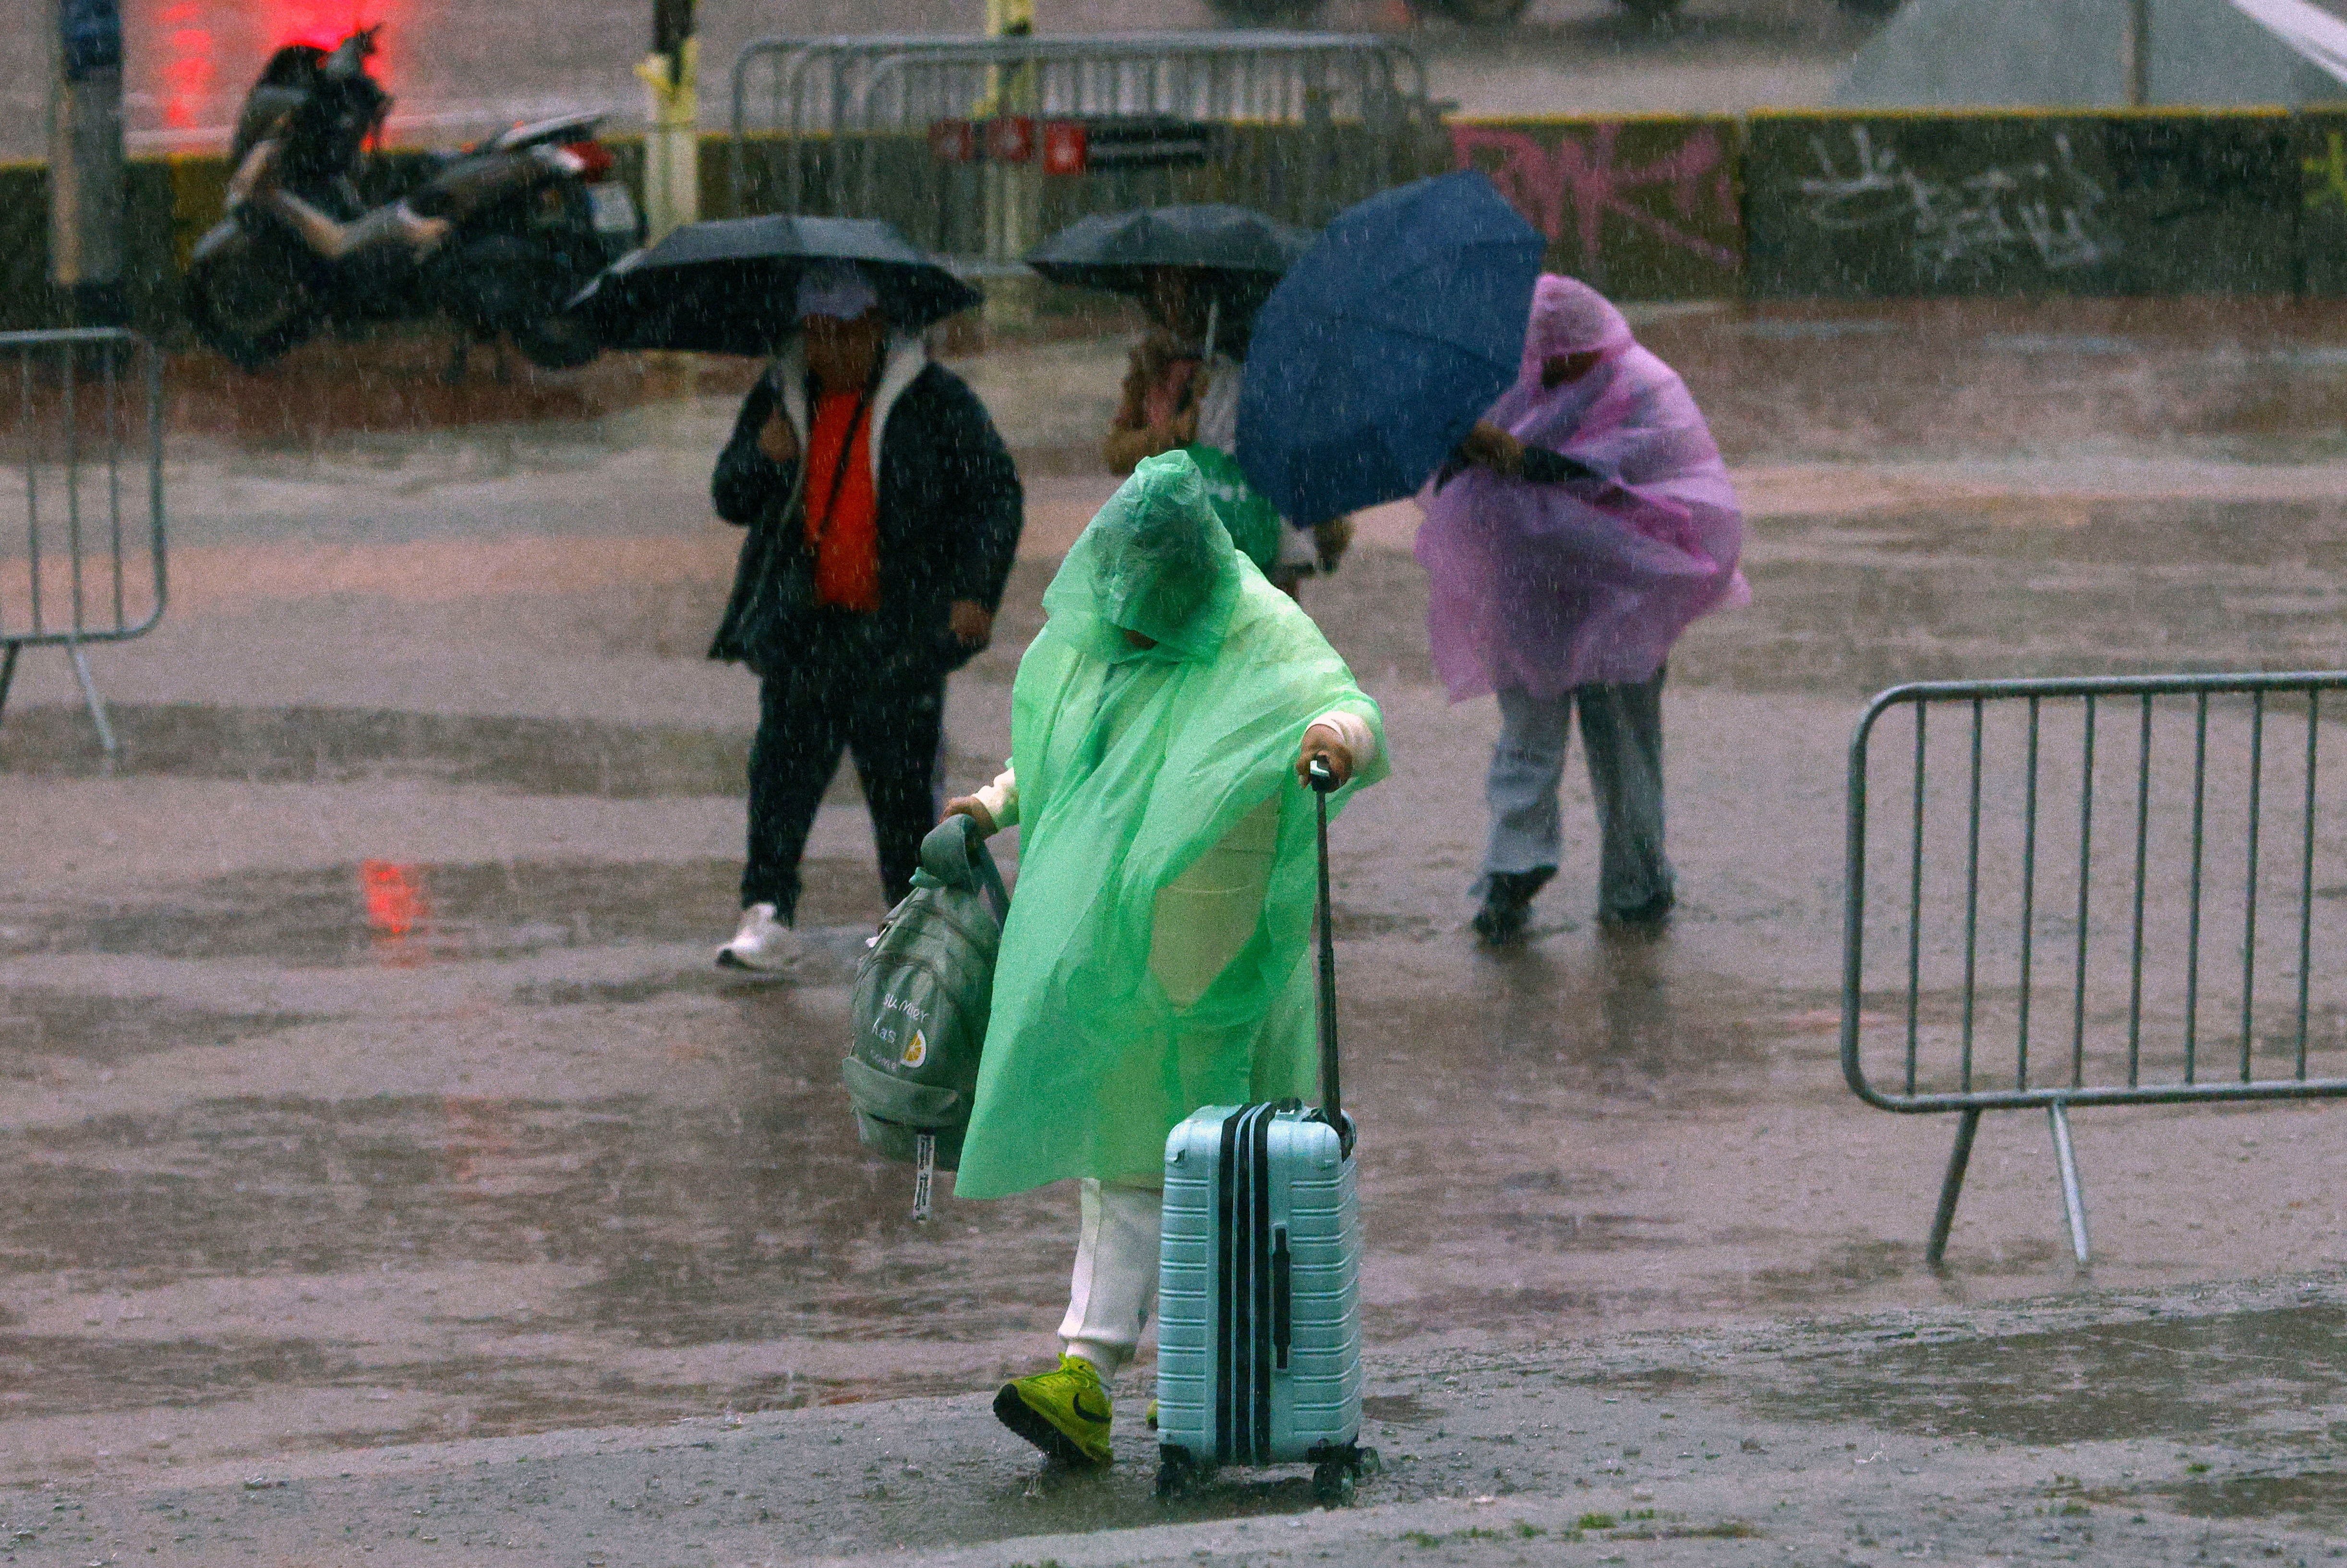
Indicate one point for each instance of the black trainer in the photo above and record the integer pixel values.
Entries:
(1651, 916)
(1507, 904)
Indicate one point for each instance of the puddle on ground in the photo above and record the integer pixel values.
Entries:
(644, 1255)
(751, 1219)
(38, 1026)
(1399, 1409)
(378, 912)
(2313, 1495)
(2200, 1378)
(347, 745)
(1848, 605)
(1841, 379)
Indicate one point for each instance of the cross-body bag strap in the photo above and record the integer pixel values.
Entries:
(840, 467)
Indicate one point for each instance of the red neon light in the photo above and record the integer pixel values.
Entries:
(1065, 147)
(199, 38)
(1010, 140)
(188, 68)
(953, 141)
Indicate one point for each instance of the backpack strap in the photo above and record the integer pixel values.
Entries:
(956, 855)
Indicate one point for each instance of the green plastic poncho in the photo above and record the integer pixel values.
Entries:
(1132, 764)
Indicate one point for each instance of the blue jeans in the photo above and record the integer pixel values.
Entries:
(1621, 727)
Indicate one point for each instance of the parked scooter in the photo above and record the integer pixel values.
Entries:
(495, 238)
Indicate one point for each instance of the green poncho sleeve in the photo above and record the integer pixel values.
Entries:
(1133, 762)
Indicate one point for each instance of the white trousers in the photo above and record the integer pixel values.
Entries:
(1200, 922)
(1115, 1285)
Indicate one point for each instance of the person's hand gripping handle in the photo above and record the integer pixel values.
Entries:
(1324, 752)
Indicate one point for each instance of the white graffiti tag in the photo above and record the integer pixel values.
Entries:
(2047, 207)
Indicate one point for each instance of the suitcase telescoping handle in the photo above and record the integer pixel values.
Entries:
(1332, 1097)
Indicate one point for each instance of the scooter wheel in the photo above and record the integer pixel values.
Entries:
(247, 303)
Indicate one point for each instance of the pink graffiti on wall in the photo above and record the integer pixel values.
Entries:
(1539, 181)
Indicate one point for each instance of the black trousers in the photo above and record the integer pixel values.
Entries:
(891, 720)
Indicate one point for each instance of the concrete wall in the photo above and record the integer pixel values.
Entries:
(1848, 204)
(1648, 208)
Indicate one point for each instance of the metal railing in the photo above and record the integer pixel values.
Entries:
(82, 555)
(2057, 928)
(841, 125)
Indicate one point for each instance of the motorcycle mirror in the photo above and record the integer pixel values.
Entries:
(350, 56)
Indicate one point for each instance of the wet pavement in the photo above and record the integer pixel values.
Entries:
(367, 1083)
(2168, 1427)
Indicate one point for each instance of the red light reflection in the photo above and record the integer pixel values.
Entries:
(188, 68)
(395, 897)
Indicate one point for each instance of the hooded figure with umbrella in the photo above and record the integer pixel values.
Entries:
(1202, 272)
(883, 514)
(1596, 522)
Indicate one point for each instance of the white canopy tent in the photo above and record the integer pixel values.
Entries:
(2099, 54)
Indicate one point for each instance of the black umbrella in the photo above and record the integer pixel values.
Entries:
(729, 286)
(1242, 252)
(1116, 250)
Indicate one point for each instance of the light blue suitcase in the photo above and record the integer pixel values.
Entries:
(1258, 1297)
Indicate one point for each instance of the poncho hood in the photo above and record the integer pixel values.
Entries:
(1544, 587)
(1570, 317)
(1156, 560)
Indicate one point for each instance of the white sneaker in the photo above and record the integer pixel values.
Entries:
(764, 943)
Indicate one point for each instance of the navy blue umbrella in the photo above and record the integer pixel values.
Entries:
(1384, 344)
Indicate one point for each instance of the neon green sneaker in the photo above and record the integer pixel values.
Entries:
(1065, 1411)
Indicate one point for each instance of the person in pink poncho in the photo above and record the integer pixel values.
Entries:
(1586, 521)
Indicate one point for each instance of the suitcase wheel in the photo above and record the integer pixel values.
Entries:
(1178, 1474)
(1337, 1473)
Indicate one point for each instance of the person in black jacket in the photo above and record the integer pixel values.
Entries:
(883, 514)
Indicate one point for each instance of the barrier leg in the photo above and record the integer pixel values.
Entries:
(1951, 1187)
(96, 703)
(2074, 1198)
(8, 674)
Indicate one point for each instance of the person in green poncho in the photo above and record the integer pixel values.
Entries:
(1156, 957)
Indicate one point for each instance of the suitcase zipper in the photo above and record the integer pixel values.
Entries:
(1259, 1344)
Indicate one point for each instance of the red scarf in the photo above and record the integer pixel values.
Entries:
(843, 514)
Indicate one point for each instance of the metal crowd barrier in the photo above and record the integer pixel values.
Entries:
(835, 112)
(82, 538)
(2085, 903)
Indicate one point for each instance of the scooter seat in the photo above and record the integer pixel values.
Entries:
(559, 129)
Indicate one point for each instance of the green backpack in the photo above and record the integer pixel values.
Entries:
(923, 994)
(1252, 521)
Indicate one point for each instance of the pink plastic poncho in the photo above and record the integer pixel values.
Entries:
(1548, 587)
